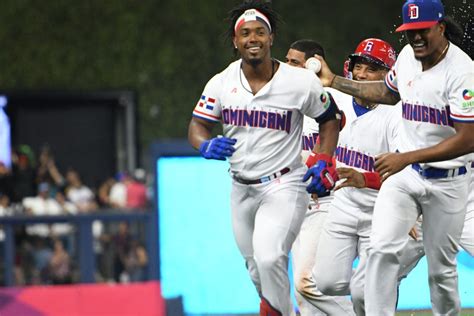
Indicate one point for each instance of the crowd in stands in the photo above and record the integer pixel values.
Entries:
(46, 253)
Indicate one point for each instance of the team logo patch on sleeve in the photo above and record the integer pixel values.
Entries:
(324, 99)
(467, 95)
(206, 102)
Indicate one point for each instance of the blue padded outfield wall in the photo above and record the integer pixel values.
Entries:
(200, 260)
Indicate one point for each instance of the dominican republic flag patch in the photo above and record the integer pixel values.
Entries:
(207, 102)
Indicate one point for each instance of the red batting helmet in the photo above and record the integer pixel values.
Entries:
(374, 50)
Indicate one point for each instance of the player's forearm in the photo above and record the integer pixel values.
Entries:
(450, 148)
(373, 91)
(198, 131)
(328, 135)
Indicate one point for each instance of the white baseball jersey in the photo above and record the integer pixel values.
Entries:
(433, 99)
(267, 125)
(362, 138)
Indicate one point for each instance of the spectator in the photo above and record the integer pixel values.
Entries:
(41, 256)
(83, 198)
(5, 206)
(120, 243)
(65, 231)
(23, 163)
(47, 170)
(5, 210)
(135, 262)
(67, 207)
(40, 235)
(79, 194)
(42, 204)
(136, 190)
(118, 191)
(104, 192)
(59, 266)
(6, 180)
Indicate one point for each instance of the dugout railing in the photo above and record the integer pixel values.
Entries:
(85, 251)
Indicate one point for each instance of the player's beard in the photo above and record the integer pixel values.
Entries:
(254, 62)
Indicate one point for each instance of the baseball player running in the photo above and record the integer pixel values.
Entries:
(434, 80)
(371, 129)
(261, 103)
(306, 243)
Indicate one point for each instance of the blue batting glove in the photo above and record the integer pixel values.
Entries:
(218, 148)
(316, 185)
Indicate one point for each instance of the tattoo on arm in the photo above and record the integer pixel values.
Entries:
(374, 91)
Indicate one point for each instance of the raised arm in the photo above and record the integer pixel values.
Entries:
(374, 91)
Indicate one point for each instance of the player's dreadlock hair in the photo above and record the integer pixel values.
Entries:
(264, 7)
(454, 32)
(308, 47)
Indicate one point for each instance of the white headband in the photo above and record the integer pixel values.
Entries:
(252, 15)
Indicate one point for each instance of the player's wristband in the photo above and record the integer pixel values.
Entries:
(312, 158)
(315, 157)
(326, 157)
(372, 180)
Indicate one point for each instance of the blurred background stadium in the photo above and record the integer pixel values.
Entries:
(104, 208)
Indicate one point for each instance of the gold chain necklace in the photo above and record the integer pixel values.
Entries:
(442, 53)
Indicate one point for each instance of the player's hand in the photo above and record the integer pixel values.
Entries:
(390, 163)
(353, 178)
(314, 197)
(218, 148)
(325, 74)
(323, 176)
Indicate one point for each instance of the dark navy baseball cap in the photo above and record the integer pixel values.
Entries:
(421, 14)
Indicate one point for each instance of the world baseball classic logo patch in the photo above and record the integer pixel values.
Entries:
(324, 100)
(467, 94)
(207, 102)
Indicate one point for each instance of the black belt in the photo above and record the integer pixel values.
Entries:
(437, 173)
(263, 179)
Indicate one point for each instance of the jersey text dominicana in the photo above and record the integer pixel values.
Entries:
(433, 99)
(267, 125)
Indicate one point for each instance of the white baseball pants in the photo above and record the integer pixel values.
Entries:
(310, 300)
(266, 219)
(345, 236)
(401, 199)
